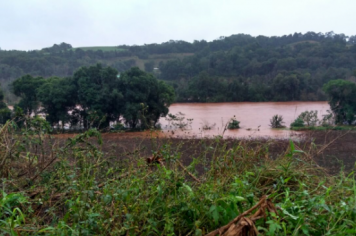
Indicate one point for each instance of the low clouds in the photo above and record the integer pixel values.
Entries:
(34, 24)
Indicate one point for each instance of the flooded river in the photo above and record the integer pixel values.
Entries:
(254, 118)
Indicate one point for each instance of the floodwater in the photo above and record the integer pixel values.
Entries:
(254, 118)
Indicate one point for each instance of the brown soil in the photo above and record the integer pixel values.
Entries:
(332, 150)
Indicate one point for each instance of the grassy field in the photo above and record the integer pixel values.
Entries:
(94, 184)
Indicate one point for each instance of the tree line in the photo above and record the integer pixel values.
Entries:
(96, 96)
(99, 97)
(263, 69)
(235, 68)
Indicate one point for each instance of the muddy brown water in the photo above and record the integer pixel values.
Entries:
(254, 118)
(338, 146)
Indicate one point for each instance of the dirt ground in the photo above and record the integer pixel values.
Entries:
(332, 150)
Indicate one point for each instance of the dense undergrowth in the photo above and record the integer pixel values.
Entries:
(50, 187)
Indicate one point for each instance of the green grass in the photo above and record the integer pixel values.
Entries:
(76, 188)
(103, 48)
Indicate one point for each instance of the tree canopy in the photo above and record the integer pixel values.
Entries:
(97, 96)
(342, 100)
(26, 87)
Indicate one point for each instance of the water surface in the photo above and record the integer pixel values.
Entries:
(254, 118)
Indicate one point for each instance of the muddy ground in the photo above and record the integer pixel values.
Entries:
(332, 150)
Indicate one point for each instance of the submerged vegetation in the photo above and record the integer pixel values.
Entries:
(52, 186)
(233, 123)
(277, 122)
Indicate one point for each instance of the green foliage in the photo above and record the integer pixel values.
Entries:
(297, 123)
(85, 192)
(328, 119)
(57, 97)
(5, 112)
(26, 88)
(277, 121)
(233, 123)
(11, 216)
(96, 96)
(342, 100)
(238, 68)
(286, 88)
(99, 95)
(118, 127)
(146, 98)
(149, 66)
(310, 118)
(102, 48)
(306, 118)
(5, 115)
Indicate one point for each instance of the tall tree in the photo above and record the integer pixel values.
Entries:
(58, 99)
(26, 88)
(342, 99)
(146, 98)
(99, 95)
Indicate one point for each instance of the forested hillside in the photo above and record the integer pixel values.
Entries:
(235, 68)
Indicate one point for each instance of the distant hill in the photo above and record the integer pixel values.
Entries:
(102, 48)
(235, 68)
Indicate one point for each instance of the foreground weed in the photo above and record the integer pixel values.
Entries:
(72, 188)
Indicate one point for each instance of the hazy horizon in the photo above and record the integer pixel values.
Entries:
(36, 24)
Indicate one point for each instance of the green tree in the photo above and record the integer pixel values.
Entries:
(99, 94)
(26, 87)
(286, 88)
(342, 99)
(58, 98)
(204, 88)
(149, 66)
(146, 98)
(5, 112)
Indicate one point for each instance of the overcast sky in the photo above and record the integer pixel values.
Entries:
(34, 24)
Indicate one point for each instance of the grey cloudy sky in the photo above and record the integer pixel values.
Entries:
(34, 24)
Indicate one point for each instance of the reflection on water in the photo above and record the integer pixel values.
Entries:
(254, 118)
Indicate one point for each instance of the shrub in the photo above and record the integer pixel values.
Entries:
(277, 121)
(310, 118)
(297, 123)
(328, 119)
(234, 124)
(306, 118)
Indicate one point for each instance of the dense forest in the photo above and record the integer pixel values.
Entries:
(235, 68)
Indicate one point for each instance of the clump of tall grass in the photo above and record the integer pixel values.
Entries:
(75, 188)
(277, 122)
